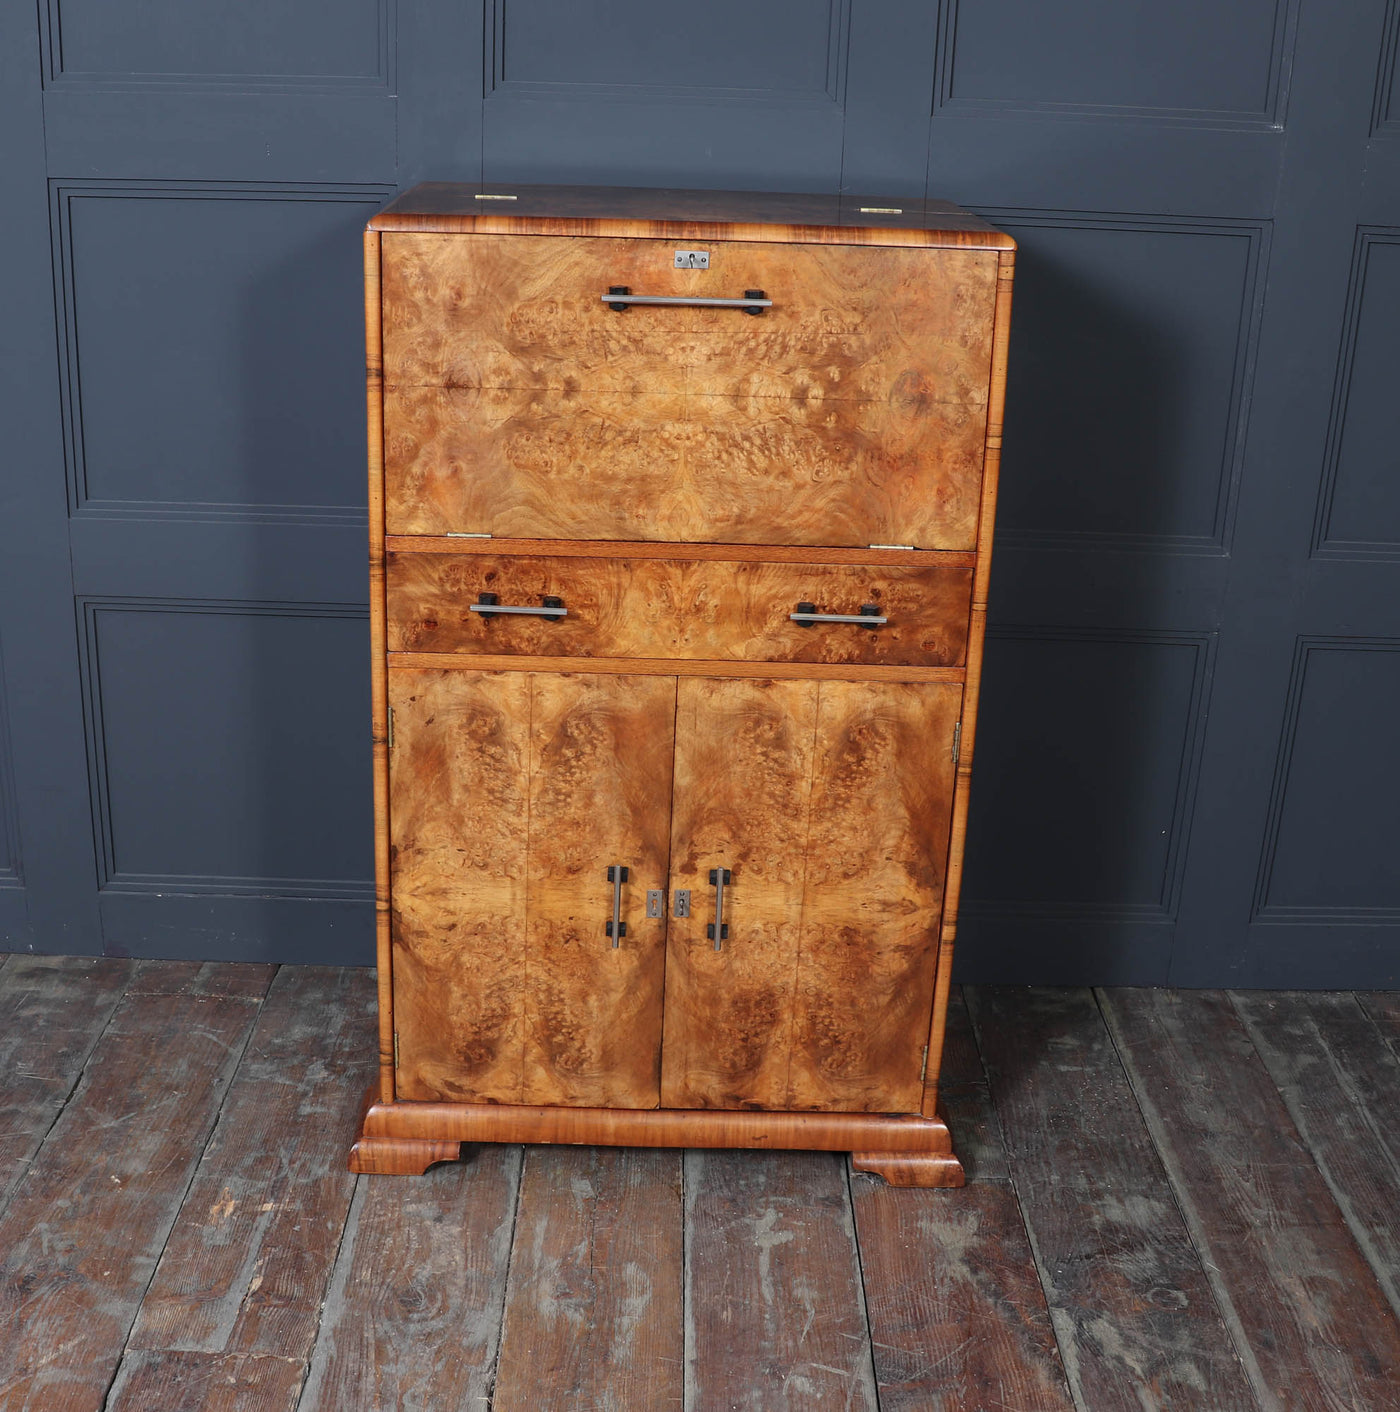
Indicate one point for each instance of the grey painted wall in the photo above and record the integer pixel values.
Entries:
(1188, 765)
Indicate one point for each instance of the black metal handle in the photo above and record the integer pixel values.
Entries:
(620, 298)
(718, 930)
(489, 605)
(617, 928)
(869, 616)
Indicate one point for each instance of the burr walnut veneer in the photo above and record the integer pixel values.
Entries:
(680, 511)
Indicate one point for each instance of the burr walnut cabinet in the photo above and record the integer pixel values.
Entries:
(681, 509)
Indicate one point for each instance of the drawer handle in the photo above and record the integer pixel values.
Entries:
(488, 605)
(617, 928)
(868, 617)
(619, 297)
(718, 930)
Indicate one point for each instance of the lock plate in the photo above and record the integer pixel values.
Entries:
(682, 907)
(692, 259)
(656, 902)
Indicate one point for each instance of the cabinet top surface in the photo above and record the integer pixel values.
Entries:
(664, 213)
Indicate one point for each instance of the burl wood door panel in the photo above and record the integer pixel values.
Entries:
(510, 796)
(677, 608)
(518, 404)
(829, 802)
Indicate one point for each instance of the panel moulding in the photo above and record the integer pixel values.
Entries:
(1323, 545)
(1262, 911)
(1164, 910)
(110, 878)
(62, 193)
(1271, 117)
(496, 84)
(57, 77)
(1251, 310)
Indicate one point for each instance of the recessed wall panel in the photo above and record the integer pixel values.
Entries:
(214, 349)
(1361, 510)
(228, 749)
(1086, 755)
(1193, 59)
(251, 39)
(1131, 357)
(1331, 848)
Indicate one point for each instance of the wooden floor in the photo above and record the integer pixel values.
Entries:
(1177, 1200)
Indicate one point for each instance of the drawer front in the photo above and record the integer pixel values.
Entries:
(517, 403)
(701, 610)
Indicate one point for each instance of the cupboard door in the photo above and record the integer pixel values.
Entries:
(511, 795)
(830, 804)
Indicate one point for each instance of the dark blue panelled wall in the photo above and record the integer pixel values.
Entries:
(1189, 764)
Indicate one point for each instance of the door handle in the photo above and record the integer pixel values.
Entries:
(620, 298)
(488, 605)
(718, 930)
(617, 928)
(868, 617)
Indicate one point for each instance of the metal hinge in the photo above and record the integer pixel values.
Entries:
(396, 1052)
(923, 1068)
(466, 534)
(891, 546)
(957, 741)
(391, 730)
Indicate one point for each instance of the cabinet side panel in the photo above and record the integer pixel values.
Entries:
(742, 787)
(1001, 341)
(460, 807)
(600, 796)
(379, 676)
(877, 845)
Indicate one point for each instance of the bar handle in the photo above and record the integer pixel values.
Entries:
(718, 930)
(868, 617)
(489, 605)
(617, 928)
(620, 298)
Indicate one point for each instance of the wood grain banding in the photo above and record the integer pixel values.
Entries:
(677, 608)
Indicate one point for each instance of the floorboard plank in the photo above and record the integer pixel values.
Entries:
(413, 1314)
(774, 1310)
(1341, 1083)
(52, 1011)
(1318, 1327)
(202, 978)
(84, 1228)
(250, 1255)
(1383, 1007)
(212, 1382)
(1137, 1323)
(594, 1316)
(958, 1320)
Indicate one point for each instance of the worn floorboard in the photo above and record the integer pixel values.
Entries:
(775, 1315)
(1341, 1084)
(413, 1314)
(1135, 1315)
(87, 1221)
(593, 1317)
(958, 1319)
(1175, 1200)
(52, 1012)
(247, 1263)
(1310, 1320)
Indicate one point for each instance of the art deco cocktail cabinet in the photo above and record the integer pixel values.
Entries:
(681, 512)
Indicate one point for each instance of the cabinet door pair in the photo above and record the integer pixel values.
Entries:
(512, 795)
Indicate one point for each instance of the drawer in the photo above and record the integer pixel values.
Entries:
(704, 610)
(850, 412)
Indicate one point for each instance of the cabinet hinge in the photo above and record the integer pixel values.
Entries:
(391, 730)
(396, 1051)
(957, 741)
(923, 1068)
(466, 534)
(891, 546)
